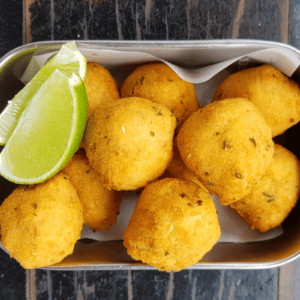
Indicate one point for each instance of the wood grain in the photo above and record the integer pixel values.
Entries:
(159, 20)
(11, 25)
(123, 285)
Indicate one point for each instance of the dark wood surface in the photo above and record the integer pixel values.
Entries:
(41, 20)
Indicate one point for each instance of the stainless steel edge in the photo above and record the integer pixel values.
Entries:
(49, 46)
(148, 46)
(198, 266)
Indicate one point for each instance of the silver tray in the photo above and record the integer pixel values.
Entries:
(94, 255)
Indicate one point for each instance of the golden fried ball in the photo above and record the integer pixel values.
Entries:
(274, 195)
(129, 142)
(100, 86)
(40, 224)
(228, 146)
(100, 205)
(159, 83)
(173, 225)
(275, 95)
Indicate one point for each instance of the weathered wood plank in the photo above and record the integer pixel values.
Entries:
(135, 285)
(103, 22)
(12, 278)
(262, 20)
(294, 24)
(11, 25)
(40, 26)
(211, 19)
(100, 285)
(147, 284)
(192, 284)
(250, 284)
(70, 19)
(108, 284)
(162, 20)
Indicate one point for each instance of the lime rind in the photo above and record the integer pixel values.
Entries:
(68, 60)
(7, 118)
(30, 156)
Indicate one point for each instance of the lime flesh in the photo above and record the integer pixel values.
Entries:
(68, 60)
(48, 131)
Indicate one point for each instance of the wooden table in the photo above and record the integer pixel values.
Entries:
(41, 20)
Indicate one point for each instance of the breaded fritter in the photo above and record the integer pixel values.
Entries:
(129, 142)
(40, 224)
(228, 146)
(100, 86)
(159, 83)
(275, 95)
(100, 205)
(274, 195)
(173, 225)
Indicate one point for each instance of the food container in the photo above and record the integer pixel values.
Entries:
(108, 255)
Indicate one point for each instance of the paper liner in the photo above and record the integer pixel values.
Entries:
(206, 80)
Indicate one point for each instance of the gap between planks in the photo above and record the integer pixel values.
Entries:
(286, 289)
(284, 27)
(30, 285)
(28, 36)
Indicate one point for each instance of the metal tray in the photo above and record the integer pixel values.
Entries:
(93, 255)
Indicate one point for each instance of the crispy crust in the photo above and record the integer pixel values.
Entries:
(129, 142)
(159, 83)
(274, 195)
(100, 86)
(275, 95)
(173, 225)
(40, 224)
(100, 205)
(228, 146)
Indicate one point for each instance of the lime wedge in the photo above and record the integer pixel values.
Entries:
(68, 60)
(48, 131)
(69, 54)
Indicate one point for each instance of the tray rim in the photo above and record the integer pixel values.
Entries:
(148, 45)
(218, 43)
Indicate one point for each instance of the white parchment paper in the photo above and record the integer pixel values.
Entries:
(206, 80)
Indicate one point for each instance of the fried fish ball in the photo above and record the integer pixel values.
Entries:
(100, 86)
(100, 205)
(129, 142)
(228, 146)
(274, 195)
(159, 83)
(173, 226)
(275, 95)
(40, 224)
